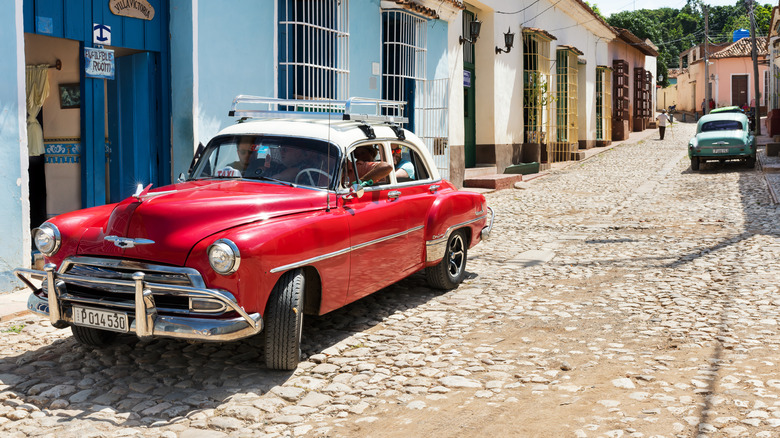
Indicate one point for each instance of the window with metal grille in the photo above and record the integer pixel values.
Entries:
(776, 89)
(536, 89)
(565, 143)
(404, 49)
(313, 49)
(603, 103)
(765, 98)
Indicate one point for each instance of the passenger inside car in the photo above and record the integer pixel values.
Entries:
(404, 169)
(246, 151)
(369, 171)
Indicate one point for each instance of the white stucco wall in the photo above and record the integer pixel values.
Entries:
(14, 200)
(499, 84)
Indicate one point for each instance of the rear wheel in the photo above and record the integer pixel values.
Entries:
(93, 337)
(284, 322)
(451, 271)
(695, 163)
(751, 162)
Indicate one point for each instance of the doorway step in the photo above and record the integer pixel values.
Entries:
(486, 177)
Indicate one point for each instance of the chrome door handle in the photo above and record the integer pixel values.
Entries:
(434, 187)
(394, 194)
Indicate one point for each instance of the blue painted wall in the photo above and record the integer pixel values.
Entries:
(437, 50)
(234, 57)
(234, 54)
(365, 47)
(13, 156)
(182, 30)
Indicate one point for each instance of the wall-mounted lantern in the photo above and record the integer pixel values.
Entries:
(509, 40)
(474, 28)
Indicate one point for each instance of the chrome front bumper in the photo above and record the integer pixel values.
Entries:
(148, 323)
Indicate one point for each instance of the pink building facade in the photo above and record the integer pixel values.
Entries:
(731, 78)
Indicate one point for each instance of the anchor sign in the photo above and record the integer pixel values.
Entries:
(101, 34)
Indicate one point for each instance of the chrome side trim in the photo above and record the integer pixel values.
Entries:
(434, 249)
(342, 251)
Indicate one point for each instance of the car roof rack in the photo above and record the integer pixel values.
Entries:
(360, 109)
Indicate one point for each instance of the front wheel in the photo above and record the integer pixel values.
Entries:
(93, 337)
(284, 322)
(751, 162)
(694, 163)
(451, 271)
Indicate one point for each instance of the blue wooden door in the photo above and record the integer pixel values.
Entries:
(134, 124)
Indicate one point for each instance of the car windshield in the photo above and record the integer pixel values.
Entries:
(721, 125)
(299, 161)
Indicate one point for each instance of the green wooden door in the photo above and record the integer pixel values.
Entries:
(469, 122)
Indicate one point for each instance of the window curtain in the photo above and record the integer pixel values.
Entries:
(37, 79)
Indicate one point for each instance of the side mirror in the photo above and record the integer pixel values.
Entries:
(355, 192)
(182, 177)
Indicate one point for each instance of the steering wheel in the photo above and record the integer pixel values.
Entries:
(308, 172)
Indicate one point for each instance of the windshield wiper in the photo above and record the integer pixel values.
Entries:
(267, 178)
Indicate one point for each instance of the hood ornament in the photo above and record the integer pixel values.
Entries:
(141, 191)
(126, 242)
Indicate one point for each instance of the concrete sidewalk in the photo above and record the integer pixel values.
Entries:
(634, 137)
(13, 304)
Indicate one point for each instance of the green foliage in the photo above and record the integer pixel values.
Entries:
(595, 9)
(14, 329)
(674, 31)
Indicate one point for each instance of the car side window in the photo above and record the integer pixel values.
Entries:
(362, 164)
(408, 163)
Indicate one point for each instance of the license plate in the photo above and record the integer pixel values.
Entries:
(102, 319)
(720, 151)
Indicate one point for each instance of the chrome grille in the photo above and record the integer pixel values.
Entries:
(122, 296)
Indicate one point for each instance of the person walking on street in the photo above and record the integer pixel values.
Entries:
(703, 106)
(662, 121)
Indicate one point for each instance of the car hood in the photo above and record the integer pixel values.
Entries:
(709, 138)
(177, 217)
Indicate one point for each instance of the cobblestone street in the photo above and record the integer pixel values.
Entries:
(623, 296)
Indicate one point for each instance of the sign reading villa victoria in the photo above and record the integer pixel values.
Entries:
(132, 8)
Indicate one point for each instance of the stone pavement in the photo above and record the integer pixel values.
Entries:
(622, 296)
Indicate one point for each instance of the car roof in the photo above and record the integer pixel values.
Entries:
(723, 116)
(342, 133)
(727, 109)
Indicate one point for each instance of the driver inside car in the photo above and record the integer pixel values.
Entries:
(298, 166)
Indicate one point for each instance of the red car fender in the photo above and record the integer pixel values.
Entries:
(455, 210)
(74, 225)
(270, 248)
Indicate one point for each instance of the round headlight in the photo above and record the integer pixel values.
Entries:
(224, 256)
(47, 239)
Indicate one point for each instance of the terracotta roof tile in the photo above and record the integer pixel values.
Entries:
(742, 48)
(630, 38)
(540, 31)
(413, 6)
(572, 48)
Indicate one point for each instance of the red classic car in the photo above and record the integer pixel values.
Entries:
(282, 214)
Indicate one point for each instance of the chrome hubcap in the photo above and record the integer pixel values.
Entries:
(457, 256)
